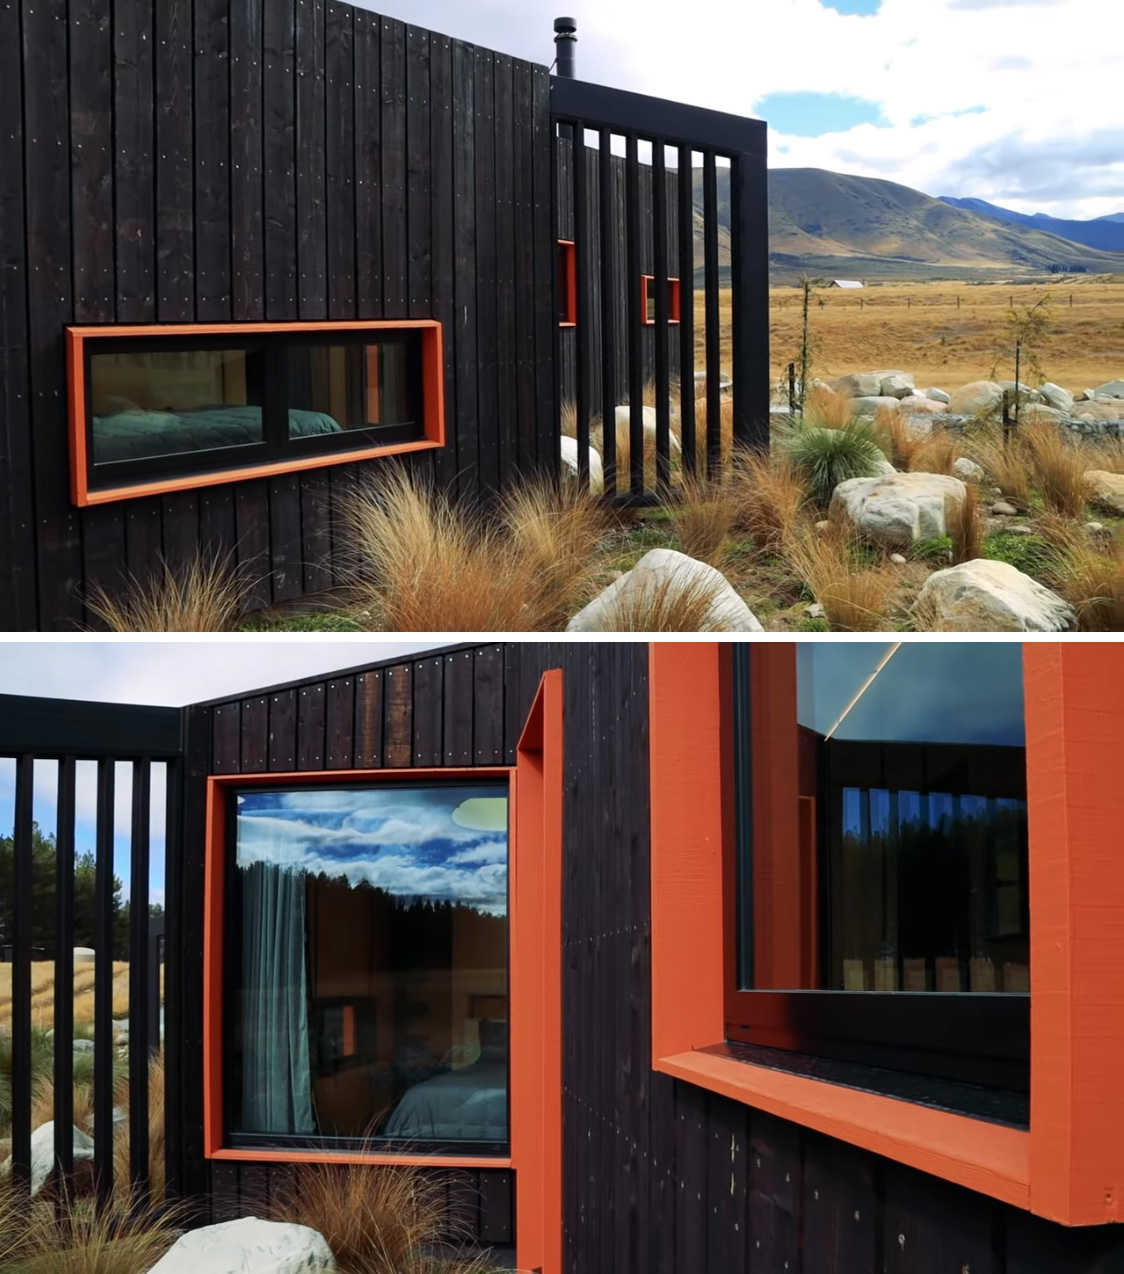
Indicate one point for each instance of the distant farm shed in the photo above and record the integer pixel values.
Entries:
(845, 283)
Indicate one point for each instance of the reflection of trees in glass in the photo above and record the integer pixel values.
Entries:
(955, 887)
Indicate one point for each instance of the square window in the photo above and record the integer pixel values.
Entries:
(648, 300)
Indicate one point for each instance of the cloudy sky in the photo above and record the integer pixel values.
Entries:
(439, 843)
(1013, 101)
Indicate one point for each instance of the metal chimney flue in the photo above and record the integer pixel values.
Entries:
(565, 37)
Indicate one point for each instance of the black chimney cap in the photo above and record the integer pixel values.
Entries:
(565, 25)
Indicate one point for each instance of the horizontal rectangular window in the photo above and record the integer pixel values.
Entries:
(366, 966)
(880, 802)
(161, 408)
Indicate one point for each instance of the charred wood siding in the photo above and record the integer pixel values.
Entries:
(238, 160)
(659, 1177)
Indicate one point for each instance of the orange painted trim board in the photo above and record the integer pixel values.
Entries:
(689, 815)
(568, 310)
(213, 917)
(674, 303)
(433, 396)
(536, 979)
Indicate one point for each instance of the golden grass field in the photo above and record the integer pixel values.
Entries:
(916, 327)
(43, 993)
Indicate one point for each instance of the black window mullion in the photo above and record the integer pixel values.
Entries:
(275, 405)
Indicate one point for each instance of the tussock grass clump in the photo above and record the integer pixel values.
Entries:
(823, 458)
(676, 602)
(703, 518)
(854, 598)
(377, 1220)
(900, 442)
(1058, 467)
(419, 564)
(206, 595)
(1088, 573)
(1006, 464)
(824, 409)
(1106, 454)
(769, 496)
(965, 525)
(937, 453)
(33, 1240)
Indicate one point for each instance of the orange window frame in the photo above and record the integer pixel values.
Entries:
(433, 396)
(674, 302)
(568, 279)
(1069, 1165)
(534, 974)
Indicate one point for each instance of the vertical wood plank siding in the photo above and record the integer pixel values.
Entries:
(233, 160)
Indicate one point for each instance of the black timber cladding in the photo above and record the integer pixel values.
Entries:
(238, 160)
(659, 1177)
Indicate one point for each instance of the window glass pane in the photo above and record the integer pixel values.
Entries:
(910, 867)
(350, 386)
(369, 928)
(172, 401)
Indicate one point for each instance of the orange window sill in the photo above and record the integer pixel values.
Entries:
(323, 1156)
(982, 1156)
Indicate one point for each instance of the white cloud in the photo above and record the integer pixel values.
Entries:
(1046, 73)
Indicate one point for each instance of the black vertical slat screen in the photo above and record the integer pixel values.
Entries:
(713, 333)
(660, 332)
(138, 976)
(173, 1011)
(749, 251)
(21, 973)
(687, 307)
(633, 316)
(103, 984)
(64, 971)
(584, 260)
(608, 345)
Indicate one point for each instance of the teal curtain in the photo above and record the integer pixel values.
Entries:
(276, 1070)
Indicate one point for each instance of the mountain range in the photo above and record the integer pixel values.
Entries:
(1103, 233)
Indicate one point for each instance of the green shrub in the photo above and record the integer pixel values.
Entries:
(933, 550)
(1030, 554)
(315, 622)
(823, 458)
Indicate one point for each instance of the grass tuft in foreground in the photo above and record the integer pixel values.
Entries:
(855, 598)
(204, 596)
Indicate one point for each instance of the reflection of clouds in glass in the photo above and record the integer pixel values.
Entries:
(404, 841)
(928, 692)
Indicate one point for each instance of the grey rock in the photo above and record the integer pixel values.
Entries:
(1106, 491)
(967, 470)
(815, 611)
(897, 385)
(1110, 389)
(897, 559)
(1004, 510)
(1027, 393)
(938, 395)
(857, 385)
(83, 1046)
(1096, 528)
(894, 512)
(43, 1154)
(983, 596)
(1055, 396)
(868, 405)
(248, 1246)
(975, 398)
(568, 451)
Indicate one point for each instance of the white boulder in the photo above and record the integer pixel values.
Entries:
(937, 395)
(1039, 413)
(1110, 389)
(857, 385)
(83, 1046)
(43, 1154)
(894, 512)
(967, 470)
(569, 453)
(983, 596)
(916, 405)
(897, 385)
(867, 406)
(248, 1246)
(622, 417)
(1106, 490)
(1055, 396)
(662, 569)
(975, 398)
(1099, 409)
(1026, 393)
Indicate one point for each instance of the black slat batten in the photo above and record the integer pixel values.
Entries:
(64, 973)
(21, 973)
(633, 317)
(687, 308)
(663, 389)
(605, 283)
(139, 976)
(713, 332)
(103, 985)
(584, 264)
(749, 250)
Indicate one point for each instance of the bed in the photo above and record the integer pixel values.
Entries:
(469, 1104)
(135, 434)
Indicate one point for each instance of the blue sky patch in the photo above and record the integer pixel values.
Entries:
(813, 114)
(864, 8)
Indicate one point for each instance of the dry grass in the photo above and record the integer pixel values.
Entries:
(207, 595)
(43, 993)
(381, 1220)
(855, 600)
(965, 525)
(1006, 464)
(769, 497)
(725, 426)
(1088, 573)
(675, 602)
(1106, 454)
(1057, 466)
(937, 453)
(34, 1241)
(824, 409)
(703, 517)
(554, 534)
(419, 564)
(902, 444)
